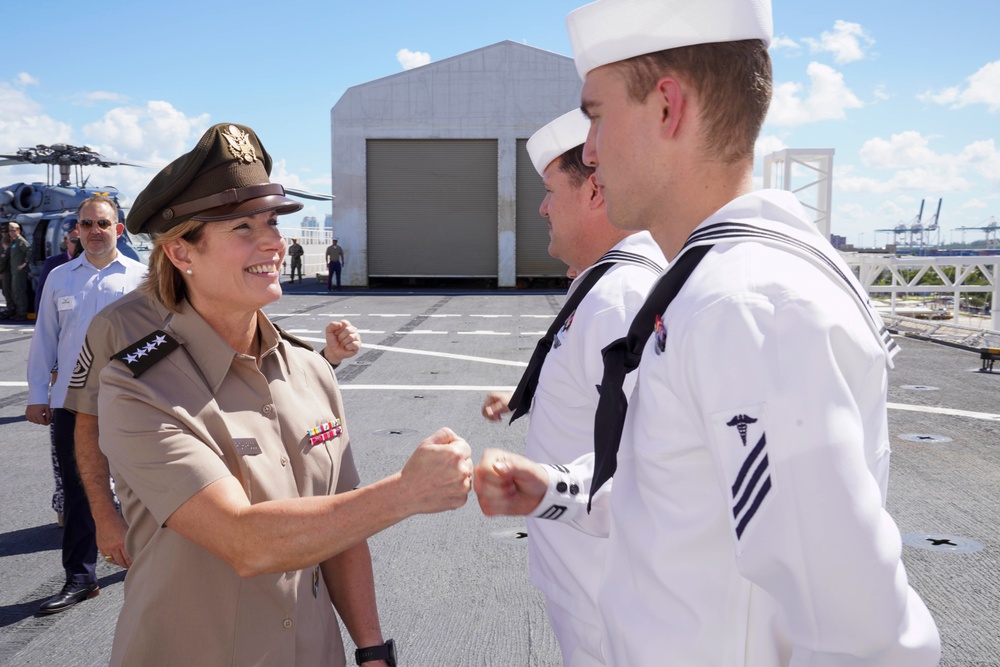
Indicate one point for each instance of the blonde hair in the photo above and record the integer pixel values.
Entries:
(164, 282)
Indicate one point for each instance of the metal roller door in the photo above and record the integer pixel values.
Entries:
(533, 259)
(432, 207)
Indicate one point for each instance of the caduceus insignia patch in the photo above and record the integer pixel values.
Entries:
(742, 449)
(741, 422)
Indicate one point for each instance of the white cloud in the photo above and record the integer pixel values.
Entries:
(154, 134)
(984, 157)
(916, 167)
(782, 43)
(974, 203)
(880, 94)
(149, 136)
(983, 87)
(89, 99)
(828, 98)
(911, 150)
(767, 144)
(410, 59)
(847, 42)
(906, 149)
(22, 122)
(26, 79)
(942, 178)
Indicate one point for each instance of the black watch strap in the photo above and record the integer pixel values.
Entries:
(386, 651)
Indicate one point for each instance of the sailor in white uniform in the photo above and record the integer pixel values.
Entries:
(747, 523)
(560, 386)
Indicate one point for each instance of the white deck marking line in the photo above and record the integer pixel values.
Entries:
(540, 316)
(483, 333)
(491, 316)
(444, 315)
(444, 355)
(336, 315)
(944, 411)
(421, 331)
(532, 333)
(25, 384)
(389, 315)
(425, 387)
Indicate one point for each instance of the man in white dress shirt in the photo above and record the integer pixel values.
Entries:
(747, 523)
(73, 294)
(566, 564)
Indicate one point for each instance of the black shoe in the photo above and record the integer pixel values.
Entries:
(70, 595)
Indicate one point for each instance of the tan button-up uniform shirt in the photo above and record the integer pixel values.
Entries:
(199, 414)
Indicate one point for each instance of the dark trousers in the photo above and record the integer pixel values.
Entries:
(79, 546)
(6, 280)
(20, 289)
(296, 266)
(334, 269)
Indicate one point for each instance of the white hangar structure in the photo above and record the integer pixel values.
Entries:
(431, 173)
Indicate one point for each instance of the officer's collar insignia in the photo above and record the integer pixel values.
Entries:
(660, 331)
(740, 422)
(142, 355)
(239, 144)
(325, 431)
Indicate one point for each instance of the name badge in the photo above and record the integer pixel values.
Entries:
(246, 446)
(66, 303)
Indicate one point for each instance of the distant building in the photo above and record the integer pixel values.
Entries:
(310, 230)
(430, 169)
(838, 242)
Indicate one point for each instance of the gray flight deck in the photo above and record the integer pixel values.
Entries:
(453, 587)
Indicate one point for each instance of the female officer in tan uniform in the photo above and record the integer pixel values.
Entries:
(227, 440)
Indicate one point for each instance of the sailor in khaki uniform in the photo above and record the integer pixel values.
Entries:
(228, 443)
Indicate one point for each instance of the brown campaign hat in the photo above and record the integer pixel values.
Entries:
(225, 176)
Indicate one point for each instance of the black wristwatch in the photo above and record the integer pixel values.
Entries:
(386, 651)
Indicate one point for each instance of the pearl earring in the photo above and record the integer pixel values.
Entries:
(189, 272)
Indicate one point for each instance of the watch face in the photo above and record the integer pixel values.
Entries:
(391, 645)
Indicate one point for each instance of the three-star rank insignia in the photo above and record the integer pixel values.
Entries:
(142, 355)
(660, 332)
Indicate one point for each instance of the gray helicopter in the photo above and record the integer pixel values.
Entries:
(47, 211)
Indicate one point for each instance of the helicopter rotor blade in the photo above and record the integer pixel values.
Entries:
(103, 163)
(304, 194)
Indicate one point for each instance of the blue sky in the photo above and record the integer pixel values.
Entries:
(906, 93)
